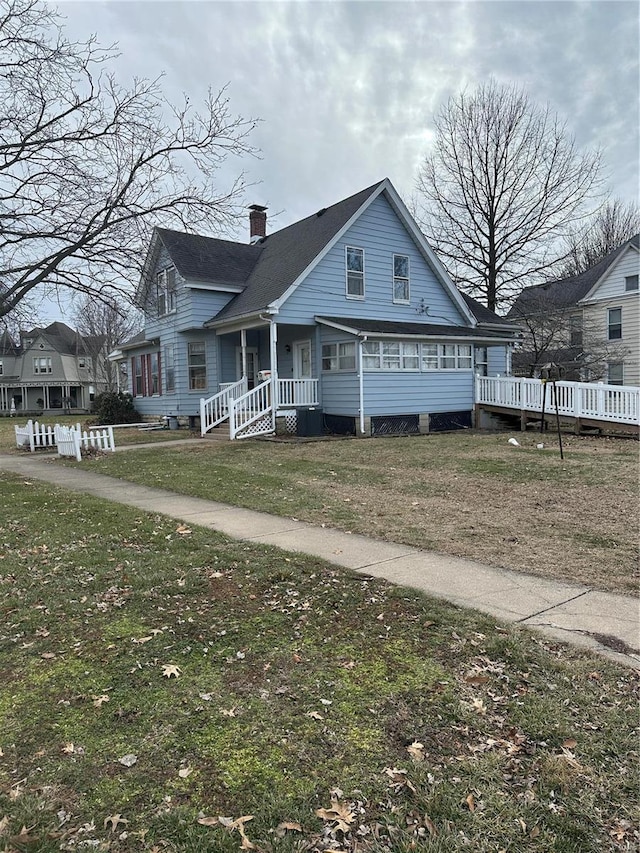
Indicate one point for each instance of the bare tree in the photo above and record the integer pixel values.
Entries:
(614, 224)
(565, 334)
(104, 325)
(504, 183)
(88, 167)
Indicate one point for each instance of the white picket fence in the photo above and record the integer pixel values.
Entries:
(69, 441)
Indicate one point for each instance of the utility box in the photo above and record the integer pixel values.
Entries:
(309, 422)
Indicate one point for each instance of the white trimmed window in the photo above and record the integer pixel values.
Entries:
(630, 283)
(42, 364)
(1, 368)
(166, 291)
(481, 358)
(169, 368)
(138, 384)
(615, 373)
(197, 359)
(401, 288)
(339, 356)
(154, 373)
(407, 355)
(614, 324)
(84, 362)
(354, 259)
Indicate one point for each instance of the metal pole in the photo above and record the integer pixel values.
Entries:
(555, 398)
(544, 399)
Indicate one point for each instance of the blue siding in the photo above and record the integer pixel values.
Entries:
(405, 392)
(381, 234)
(196, 306)
(496, 361)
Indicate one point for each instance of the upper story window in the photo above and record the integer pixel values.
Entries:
(355, 272)
(197, 358)
(575, 330)
(614, 324)
(84, 362)
(166, 291)
(630, 282)
(1, 368)
(401, 278)
(339, 356)
(42, 364)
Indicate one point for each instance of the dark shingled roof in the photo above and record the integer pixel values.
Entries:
(486, 315)
(287, 253)
(565, 291)
(63, 339)
(7, 346)
(401, 329)
(210, 259)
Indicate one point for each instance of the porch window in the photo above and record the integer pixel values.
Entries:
(465, 361)
(481, 361)
(197, 366)
(169, 368)
(339, 356)
(42, 364)
(447, 356)
(355, 272)
(429, 356)
(401, 278)
(615, 324)
(410, 356)
(391, 355)
(166, 291)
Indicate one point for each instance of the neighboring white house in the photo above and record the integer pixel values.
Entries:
(589, 323)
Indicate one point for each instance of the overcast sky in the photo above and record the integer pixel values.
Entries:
(346, 91)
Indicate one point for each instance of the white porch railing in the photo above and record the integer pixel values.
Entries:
(252, 413)
(615, 403)
(214, 410)
(297, 392)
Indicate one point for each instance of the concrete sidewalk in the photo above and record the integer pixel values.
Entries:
(603, 622)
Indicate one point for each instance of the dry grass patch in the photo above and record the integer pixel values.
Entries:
(469, 495)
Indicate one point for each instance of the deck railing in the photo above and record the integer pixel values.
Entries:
(297, 392)
(215, 409)
(615, 403)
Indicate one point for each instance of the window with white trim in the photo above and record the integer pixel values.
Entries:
(481, 358)
(166, 291)
(169, 368)
(42, 364)
(84, 362)
(614, 324)
(1, 368)
(354, 259)
(630, 283)
(138, 383)
(410, 355)
(154, 373)
(401, 288)
(197, 361)
(339, 356)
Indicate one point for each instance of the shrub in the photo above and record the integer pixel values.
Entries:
(112, 408)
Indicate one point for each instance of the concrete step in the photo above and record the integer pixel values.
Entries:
(219, 433)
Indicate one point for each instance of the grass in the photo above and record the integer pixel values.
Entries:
(339, 712)
(471, 495)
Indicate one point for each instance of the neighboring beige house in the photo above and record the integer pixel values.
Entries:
(589, 323)
(51, 368)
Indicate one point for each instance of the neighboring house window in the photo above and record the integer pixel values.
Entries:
(166, 291)
(169, 368)
(1, 368)
(615, 324)
(197, 366)
(630, 282)
(355, 272)
(42, 365)
(615, 373)
(575, 331)
(482, 361)
(339, 356)
(400, 278)
(84, 362)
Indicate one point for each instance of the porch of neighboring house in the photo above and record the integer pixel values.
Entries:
(277, 370)
(42, 397)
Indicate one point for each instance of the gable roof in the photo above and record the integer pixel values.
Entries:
(565, 292)
(210, 259)
(7, 346)
(65, 340)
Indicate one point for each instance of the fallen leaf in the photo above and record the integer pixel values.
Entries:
(4, 823)
(228, 712)
(430, 826)
(184, 772)
(315, 715)
(183, 530)
(142, 640)
(98, 701)
(128, 760)
(68, 748)
(115, 820)
(569, 743)
(288, 826)
(470, 801)
(416, 750)
(47, 655)
(208, 821)
(535, 832)
(169, 669)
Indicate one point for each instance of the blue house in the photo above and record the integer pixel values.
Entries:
(344, 321)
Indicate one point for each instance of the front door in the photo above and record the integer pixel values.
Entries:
(302, 360)
(252, 366)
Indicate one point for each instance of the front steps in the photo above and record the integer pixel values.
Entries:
(218, 433)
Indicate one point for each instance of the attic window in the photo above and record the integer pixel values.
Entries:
(630, 282)
(166, 291)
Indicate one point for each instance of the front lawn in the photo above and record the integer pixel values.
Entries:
(166, 689)
(471, 495)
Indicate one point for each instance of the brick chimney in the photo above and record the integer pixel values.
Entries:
(257, 222)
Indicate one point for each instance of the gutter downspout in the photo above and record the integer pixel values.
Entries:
(362, 341)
